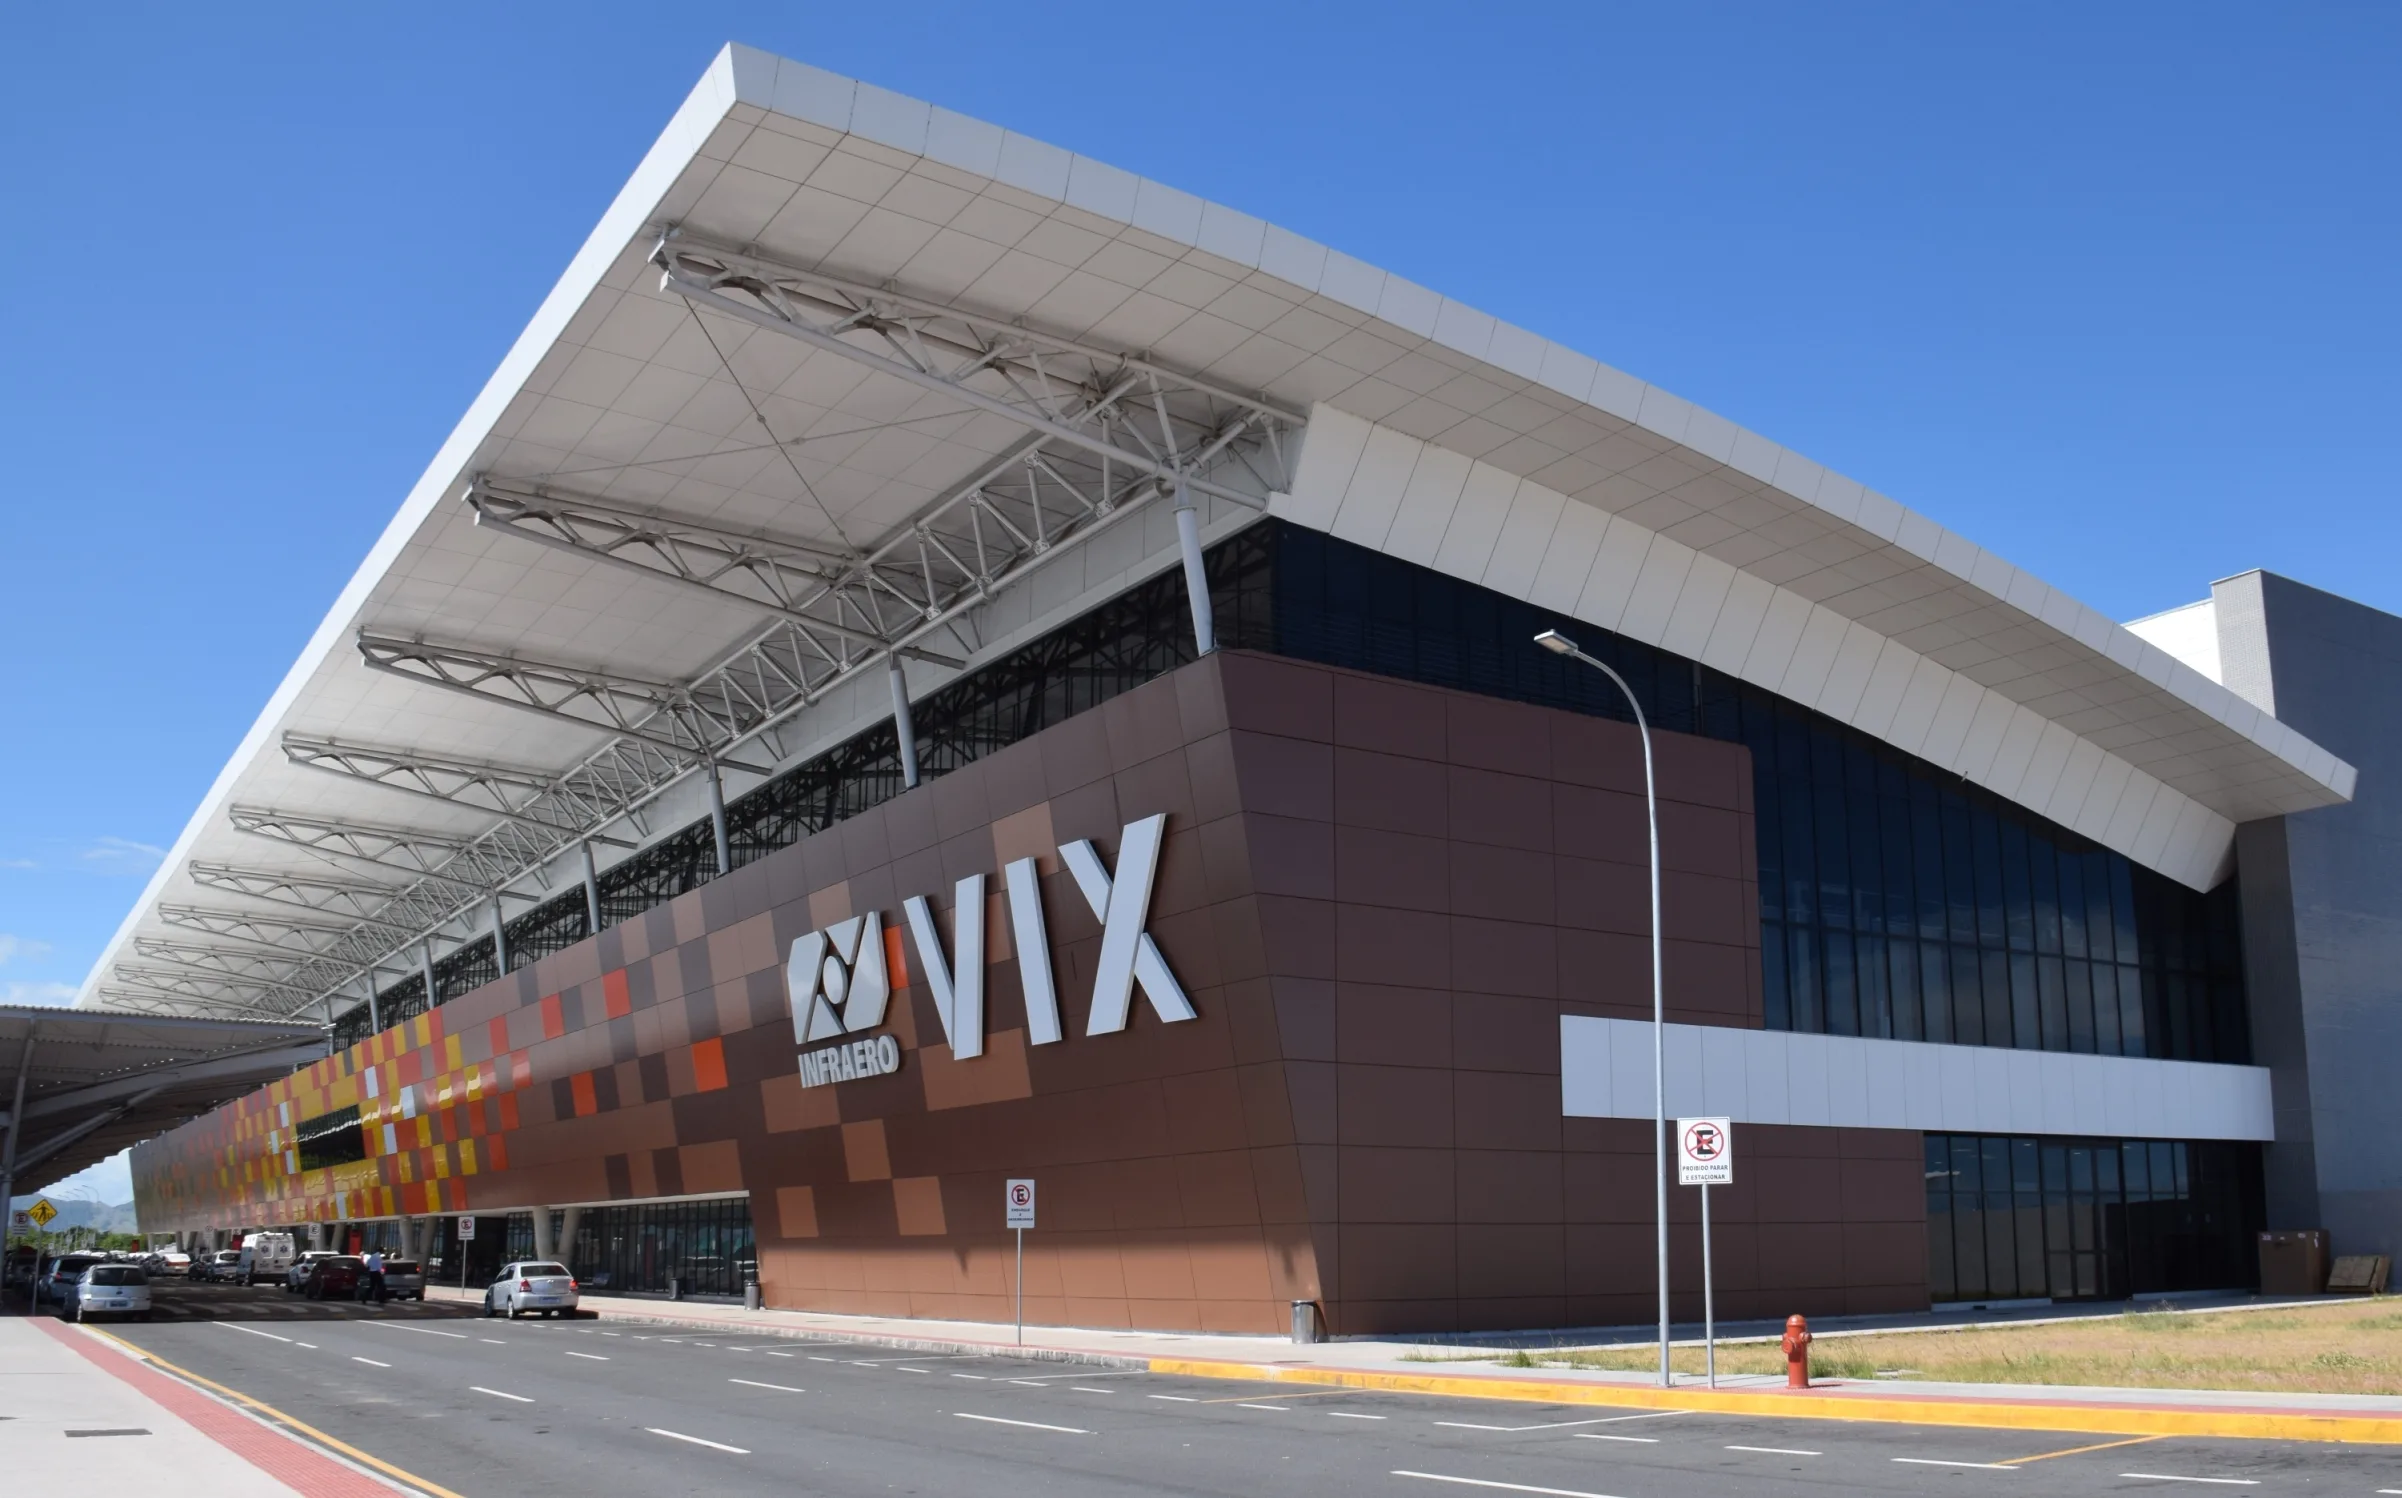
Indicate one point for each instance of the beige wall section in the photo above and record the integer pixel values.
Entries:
(1380, 488)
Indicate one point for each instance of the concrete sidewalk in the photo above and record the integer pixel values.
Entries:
(1453, 1371)
(82, 1413)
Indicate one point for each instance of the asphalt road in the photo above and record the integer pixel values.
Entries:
(591, 1409)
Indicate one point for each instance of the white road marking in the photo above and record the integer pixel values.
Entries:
(493, 1341)
(1510, 1487)
(311, 1346)
(2229, 1482)
(427, 1330)
(779, 1388)
(677, 1435)
(1930, 1461)
(497, 1394)
(978, 1377)
(1347, 1415)
(370, 1362)
(814, 1358)
(666, 1339)
(1080, 1389)
(913, 1370)
(1172, 1398)
(608, 1334)
(1035, 1383)
(1777, 1450)
(1594, 1435)
(776, 1354)
(589, 1357)
(1567, 1424)
(254, 1331)
(1065, 1430)
(1281, 1409)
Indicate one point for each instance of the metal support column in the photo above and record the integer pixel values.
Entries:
(16, 1125)
(592, 915)
(375, 1012)
(1196, 580)
(425, 961)
(901, 721)
(500, 937)
(717, 819)
(569, 1219)
(543, 1244)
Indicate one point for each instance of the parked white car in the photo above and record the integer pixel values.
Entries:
(535, 1285)
(109, 1290)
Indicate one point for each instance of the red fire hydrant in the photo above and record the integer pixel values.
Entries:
(1797, 1353)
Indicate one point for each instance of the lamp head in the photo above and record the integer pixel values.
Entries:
(1555, 642)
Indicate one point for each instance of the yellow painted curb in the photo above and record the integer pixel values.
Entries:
(2096, 1419)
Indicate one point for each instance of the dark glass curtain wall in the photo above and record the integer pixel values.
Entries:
(2086, 1219)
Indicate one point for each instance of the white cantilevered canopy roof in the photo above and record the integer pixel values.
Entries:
(842, 376)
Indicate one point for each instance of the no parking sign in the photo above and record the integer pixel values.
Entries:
(1705, 1152)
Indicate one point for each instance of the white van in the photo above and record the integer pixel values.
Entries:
(265, 1256)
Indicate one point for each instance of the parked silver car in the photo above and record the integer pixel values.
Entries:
(534, 1285)
(404, 1279)
(57, 1280)
(109, 1290)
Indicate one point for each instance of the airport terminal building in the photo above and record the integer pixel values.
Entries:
(937, 661)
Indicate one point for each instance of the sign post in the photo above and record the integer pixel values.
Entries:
(1019, 1201)
(1705, 1157)
(466, 1236)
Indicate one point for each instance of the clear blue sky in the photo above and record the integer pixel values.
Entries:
(2110, 289)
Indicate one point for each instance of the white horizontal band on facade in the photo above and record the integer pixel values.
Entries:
(1837, 1081)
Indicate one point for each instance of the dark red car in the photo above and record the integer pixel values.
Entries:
(338, 1274)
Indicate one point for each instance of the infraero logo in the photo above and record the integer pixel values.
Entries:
(839, 985)
(839, 980)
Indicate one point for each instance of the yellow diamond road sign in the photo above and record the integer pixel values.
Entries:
(41, 1212)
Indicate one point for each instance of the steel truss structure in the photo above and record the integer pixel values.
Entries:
(1103, 434)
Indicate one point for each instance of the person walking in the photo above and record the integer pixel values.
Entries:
(375, 1276)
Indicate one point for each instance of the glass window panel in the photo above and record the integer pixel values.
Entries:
(1986, 830)
(1935, 989)
(2026, 1168)
(2133, 1038)
(1909, 1019)
(2043, 873)
(2122, 907)
(2026, 1027)
(1926, 861)
(1998, 1017)
(1968, 1216)
(1959, 867)
(1893, 820)
(2101, 918)
(1876, 999)
(1941, 1284)
(2018, 891)
(1842, 984)
(1968, 998)
(2104, 1007)
(1801, 978)
(2054, 998)
(2071, 868)
(1831, 824)
(1867, 843)
(2080, 1009)
(2001, 1220)
(1775, 997)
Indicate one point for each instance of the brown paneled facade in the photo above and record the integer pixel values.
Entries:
(1381, 899)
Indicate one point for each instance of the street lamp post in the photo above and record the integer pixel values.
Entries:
(1559, 644)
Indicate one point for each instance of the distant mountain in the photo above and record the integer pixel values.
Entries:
(103, 1216)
